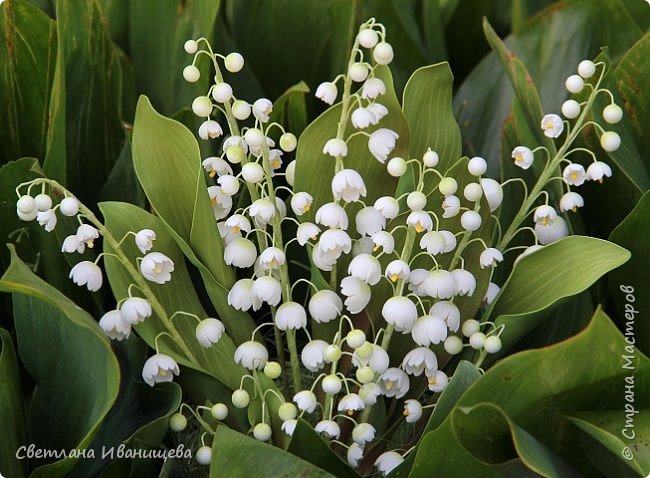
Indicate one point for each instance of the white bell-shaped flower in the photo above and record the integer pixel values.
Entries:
(262, 211)
(420, 221)
(378, 110)
(400, 312)
(369, 393)
(313, 355)
(327, 92)
(332, 215)
(574, 174)
(523, 157)
(489, 257)
(305, 400)
(394, 383)
(438, 381)
(289, 426)
(383, 240)
(447, 311)
(335, 241)
(416, 281)
(210, 129)
(571, 201)
(418, 360)
(216, 166)
(363, 245)
(221, 203)
(348, 185)
(252, 172)
(491, 293)
(251, 355)
(272, 258)
(237, 223)
(87, 273)
(366, 268)
(290, 316)
(378, 360)
(439, 284)
(372, 88)
(369, 221)
(363, 433)
(267, 289)
(72, 244)
(362, 118)
(429, 329)
(159, 368)
(412, 410)
(555, 230)
(552, 125)
(240, 253)
(450, 206)
(329, 428)
(599, 170)
(387, 207)
(135, 310)
(351, 403)
(262, 108)
(381, 143)
(465, 282)
(87, 234)
(493, 192)
(114, 326)
(156, 267)
(325, 261)
(209, 331)
(388, 461)
(336, 147)
(301, 203)
(47, 219)
(144, 240)
(240, 296)
(354, 454)
(307, 231)
(325, 306)
(433, 242)
(397, 270)
(229, 184)
(357, 294)
(544, 214)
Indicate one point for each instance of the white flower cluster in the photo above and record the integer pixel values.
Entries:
(549, 225)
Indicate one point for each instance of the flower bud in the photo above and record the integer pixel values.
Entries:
(69, 206)
(477, 340)
(177, 422)
(204, 455)
(272, 370)
(448, 186)
(219, 411)
(612, 113)
(477, 166)
(586, 68)
(355, 338)
(288, 142)
(383, 53)
(396, 167)
(430, 159)
(26, 204)
(368, 38)
(571, 109)
(453, 345)
(262, 432)
(416, 200)
(234, 62)
(473, 192)
(574, 84)
(191, 47)
(331, 384)
(241, 110)
(470, 327)
(358, 72)
(43, 202)
(240, 398)
(610, 141)
(492, 344)
(191, 74)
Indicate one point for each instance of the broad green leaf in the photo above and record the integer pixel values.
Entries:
(537, 388)
(89, 71)
(484, 99)
(158, 58)
(11, 408)
(122, 184)
(166, 158)
(288, 41)
(315, 170)
(290, 109)
(47, 323)
(27, 54)
(545, 277)
(465, 375)
(240, 455)
(629, 283)
(310, 446)
(177, 294)
(632, 74)
(427, 107)
(490, 435)
(137, 410)
(604, 428)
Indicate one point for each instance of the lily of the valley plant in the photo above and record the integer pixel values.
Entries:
(367, 322)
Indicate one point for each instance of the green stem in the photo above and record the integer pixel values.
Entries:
(126, 263)
(549, 171)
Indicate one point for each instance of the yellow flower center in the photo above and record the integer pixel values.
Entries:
(275, 164)
(548, 126)
(213, 200)
(376, 248)
(545, 221)
(394, 277)
(432, 380)
(157, 269)
(350, 412)
(306, 208)
(389, 385)
(162, 372)
(212, 174)
(313, 238)
(573, 176)
(519, 157)
(405, 413)
(236, 229)
(418, 227)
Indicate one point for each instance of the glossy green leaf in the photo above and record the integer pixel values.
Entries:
(241, 455)
(27, 54)
(427, 107)
(547, 276)
(12, 415)
(315, 170)
(318, 36)
(604, 428)
(290, 109)
(632, 74)
(177, 294)
(137, 410)
(159, 59)
(310, 446)
(47, 323)
(166, 158)
(91, 75)
(489, 434)
(632, 277)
